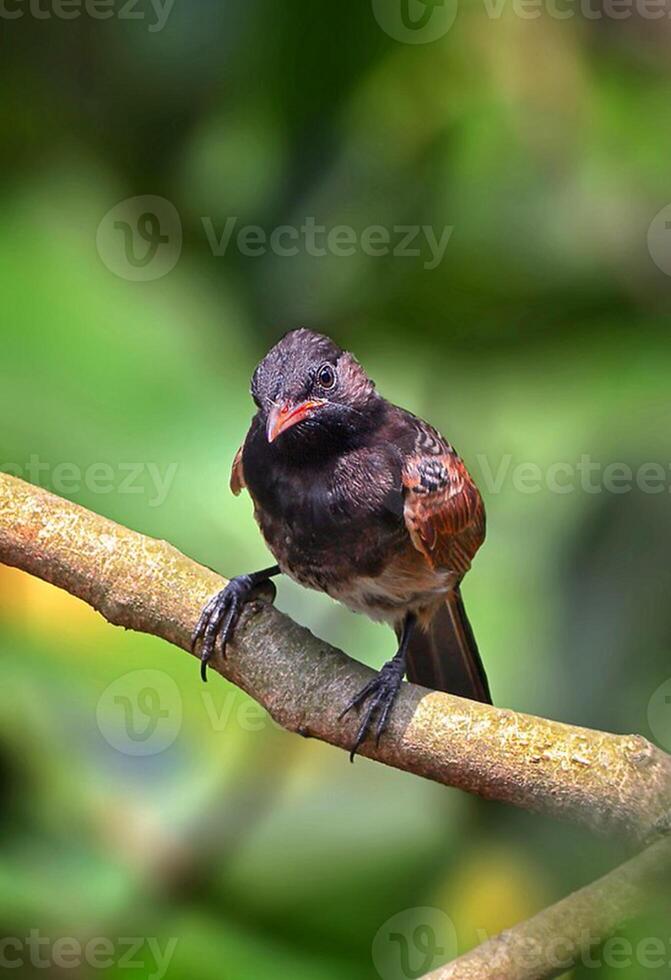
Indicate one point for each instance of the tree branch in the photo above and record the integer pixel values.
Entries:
(609, 783)
(565, 934)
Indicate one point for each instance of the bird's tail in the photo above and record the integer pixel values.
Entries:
(444, 656)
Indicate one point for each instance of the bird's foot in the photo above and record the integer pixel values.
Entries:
(381, 693)
(220, 617)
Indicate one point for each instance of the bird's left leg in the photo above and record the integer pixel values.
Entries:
(220, 616)
(381, 691)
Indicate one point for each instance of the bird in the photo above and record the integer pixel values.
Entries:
(360, 499)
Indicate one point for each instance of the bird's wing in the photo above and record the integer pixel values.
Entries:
(237, 482)
(443, 508)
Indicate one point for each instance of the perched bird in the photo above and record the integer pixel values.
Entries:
(360, 499)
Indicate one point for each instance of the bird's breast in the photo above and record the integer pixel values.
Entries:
(339, 528)
(366, 565)
(318, 537)
(324, 552)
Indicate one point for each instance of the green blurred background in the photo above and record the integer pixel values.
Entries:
(143, 805)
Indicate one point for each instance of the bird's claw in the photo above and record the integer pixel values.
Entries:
(381, 692)
(219, 618)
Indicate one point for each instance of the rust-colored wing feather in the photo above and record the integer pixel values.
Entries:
(445, 516)
(237, 482)
(443, 508)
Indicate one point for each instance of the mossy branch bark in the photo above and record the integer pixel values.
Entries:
(610, 783)
(565, 934)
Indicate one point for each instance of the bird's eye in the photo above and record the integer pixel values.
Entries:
(326, 377)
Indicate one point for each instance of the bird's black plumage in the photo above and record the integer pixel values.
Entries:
(362, 500)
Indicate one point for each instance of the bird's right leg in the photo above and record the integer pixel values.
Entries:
(382, 690)
(221, 614)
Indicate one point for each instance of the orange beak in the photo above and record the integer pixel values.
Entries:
(283, 417)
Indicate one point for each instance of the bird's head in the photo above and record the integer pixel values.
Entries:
(312, 394)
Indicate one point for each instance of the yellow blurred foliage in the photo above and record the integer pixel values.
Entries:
(493, 889)
(42, 608)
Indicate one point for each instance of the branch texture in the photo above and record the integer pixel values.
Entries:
(610, 783)
(564, 934)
